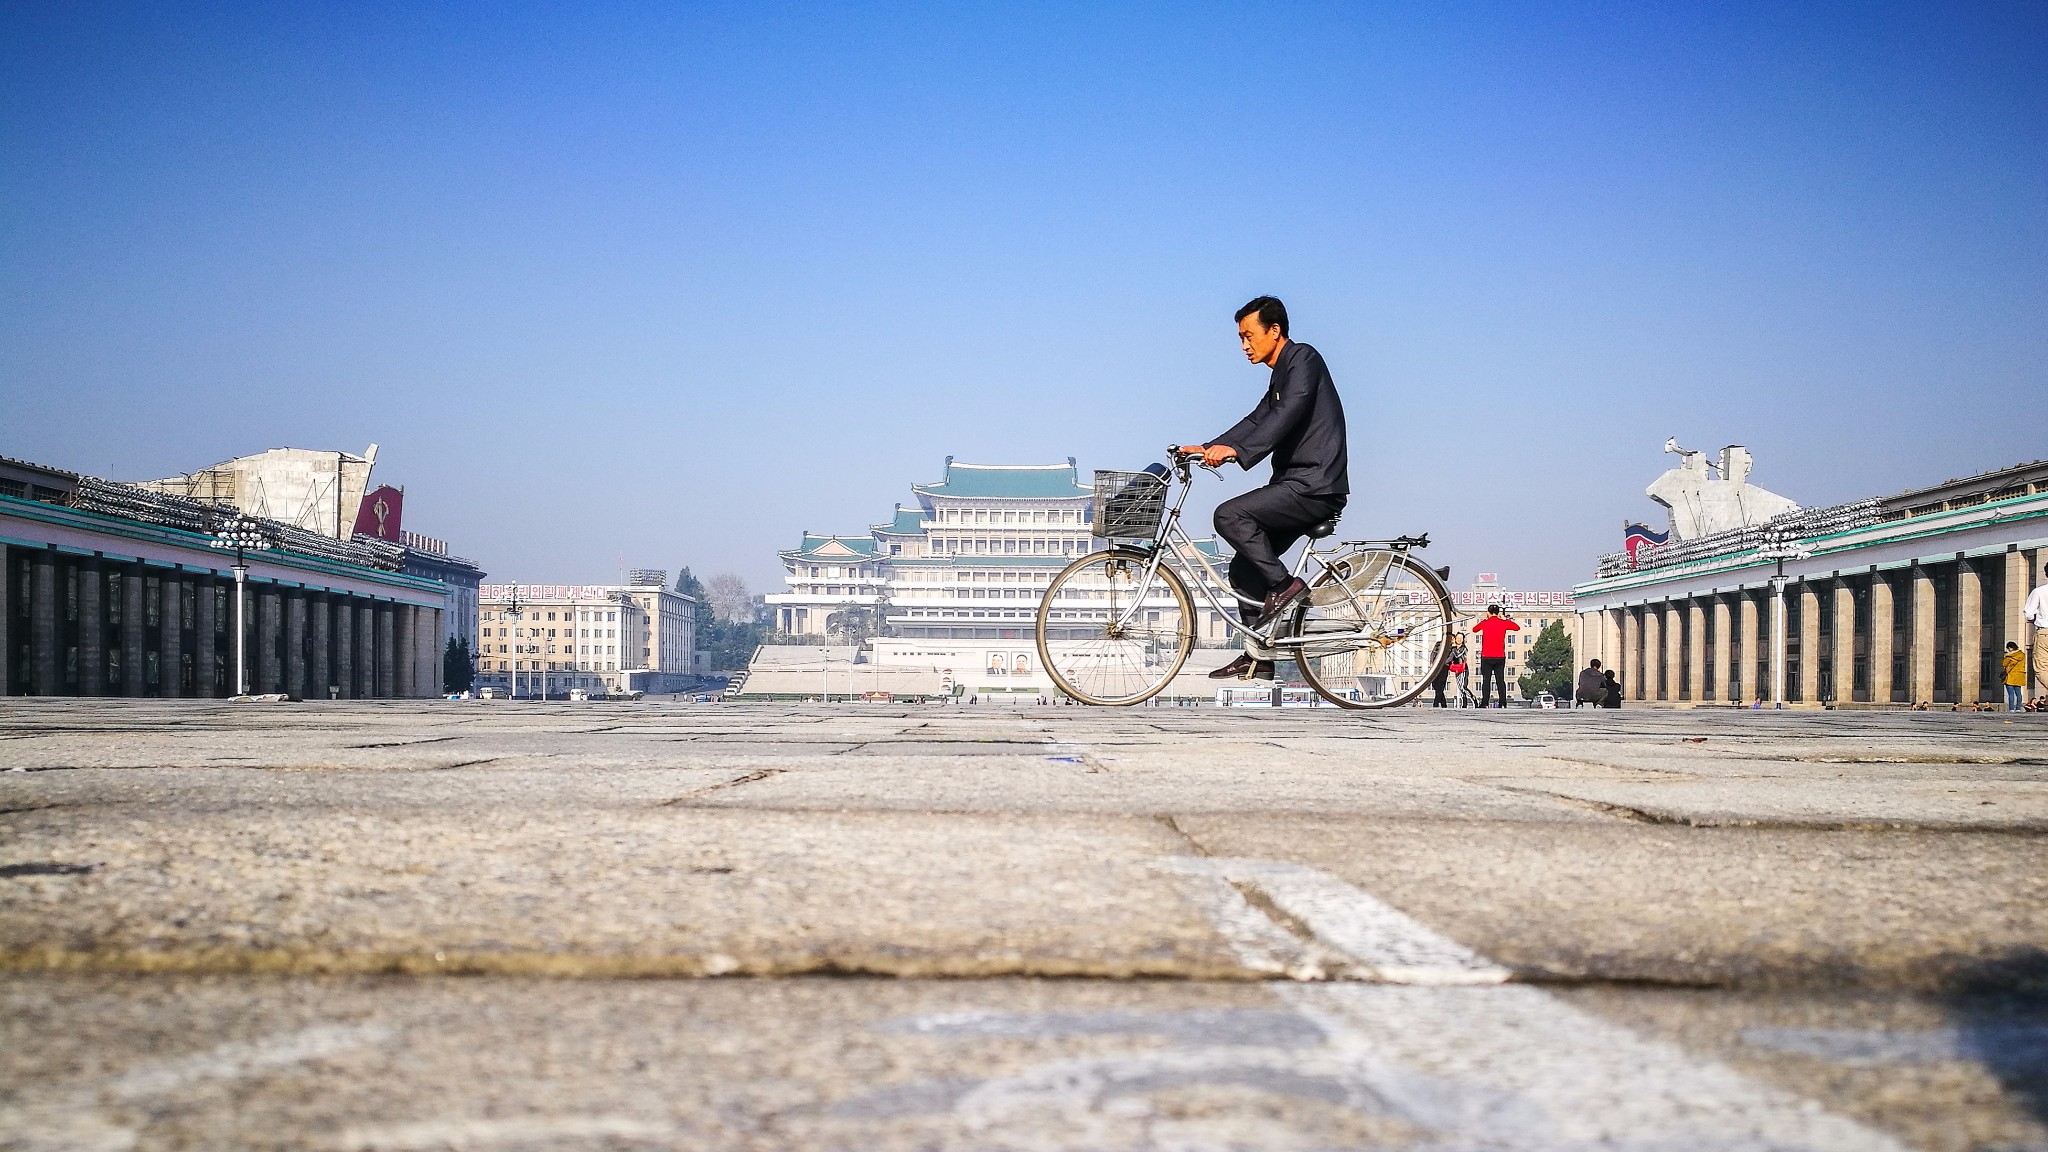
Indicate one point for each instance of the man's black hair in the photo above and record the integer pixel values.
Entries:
(1493, 609)
(1271, 312)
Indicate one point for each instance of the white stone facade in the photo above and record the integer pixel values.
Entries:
(970, 562)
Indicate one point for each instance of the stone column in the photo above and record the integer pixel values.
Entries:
(435, 650)
(2018, 582)
(1753, 644)
(1628, 663)
(387, 680)
(205, 635)
(42, 622)
(1673, 629)
(1921, 665)
(295, 644)
(345, 646)
(323, 635)
(1724, 649)
(1880, 639)
(132, 673)
(1696, 651)
(1653, 654)
(1969, 632)
(170, 645)
(1610, 640)
(428, 682)
(269, 626)
(422, 644)
(2036, 682)
(405, 657)
(1809, 643)
(1845, 642)
(92, 628)
(366, 650)
(7, 685)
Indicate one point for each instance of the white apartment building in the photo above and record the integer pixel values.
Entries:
(604, 637)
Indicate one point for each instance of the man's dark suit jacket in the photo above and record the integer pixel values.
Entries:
(1300, 424)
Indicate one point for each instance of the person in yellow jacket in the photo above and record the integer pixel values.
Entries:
(2015, 675)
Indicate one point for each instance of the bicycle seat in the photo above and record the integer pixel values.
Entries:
(1322, 530)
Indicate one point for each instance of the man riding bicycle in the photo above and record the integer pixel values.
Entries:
(1300, 424)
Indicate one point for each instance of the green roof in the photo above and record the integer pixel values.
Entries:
(1009, 482)
(906, 522)
(838, 547)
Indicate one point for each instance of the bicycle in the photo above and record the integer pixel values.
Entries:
(1116, 625)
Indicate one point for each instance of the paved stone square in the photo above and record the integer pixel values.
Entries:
(412, 925)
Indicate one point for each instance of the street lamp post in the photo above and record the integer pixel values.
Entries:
(244, 535)
(515, 611)
(1779, 546)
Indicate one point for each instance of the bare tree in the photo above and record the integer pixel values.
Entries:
(730, 599)
(851, 624)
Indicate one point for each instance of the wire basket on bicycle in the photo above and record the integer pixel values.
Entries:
(1128, 505)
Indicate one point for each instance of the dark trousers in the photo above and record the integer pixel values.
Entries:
(1493, 670)
(1441, 700)
(1261, 525)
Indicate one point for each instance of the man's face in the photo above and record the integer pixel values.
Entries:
(1260, 343)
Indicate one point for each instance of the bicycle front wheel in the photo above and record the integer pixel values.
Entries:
(1109, 633)
(1375, 630)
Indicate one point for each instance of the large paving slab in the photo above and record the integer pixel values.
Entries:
(403, 926)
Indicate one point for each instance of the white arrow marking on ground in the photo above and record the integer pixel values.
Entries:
(1443, 1045)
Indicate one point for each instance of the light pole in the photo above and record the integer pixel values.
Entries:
(243, 534)
(515, 610)
(825, 675)
(1780, 547)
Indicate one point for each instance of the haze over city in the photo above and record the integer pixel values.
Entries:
(668, 285)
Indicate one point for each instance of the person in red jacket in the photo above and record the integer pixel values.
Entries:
(1493, 654)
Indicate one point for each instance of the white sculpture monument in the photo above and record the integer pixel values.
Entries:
(1702, 502)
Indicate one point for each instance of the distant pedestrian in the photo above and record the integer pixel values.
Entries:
(1612, 683)
(1461, 671)
(1443, 674)
(1592, 687)
(1493, 654)
(2015, 677)
(2036, 614)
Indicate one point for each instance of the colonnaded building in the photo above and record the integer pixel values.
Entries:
(1896, 601)
(114, 589)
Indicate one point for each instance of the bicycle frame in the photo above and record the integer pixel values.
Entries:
(1173, 540)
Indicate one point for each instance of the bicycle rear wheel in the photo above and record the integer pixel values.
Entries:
(1372, 638)
(1105, 640)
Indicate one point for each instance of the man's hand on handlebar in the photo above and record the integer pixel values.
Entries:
(1212, 455)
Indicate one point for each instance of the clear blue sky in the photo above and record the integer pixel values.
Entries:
(674, 283)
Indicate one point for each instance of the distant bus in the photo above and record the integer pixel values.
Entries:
(1247, 696)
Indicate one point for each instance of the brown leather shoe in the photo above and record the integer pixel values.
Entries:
(1235, 670)
(1283, 597)
(1244, 668)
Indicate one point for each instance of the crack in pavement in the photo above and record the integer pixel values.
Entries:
(749, 778)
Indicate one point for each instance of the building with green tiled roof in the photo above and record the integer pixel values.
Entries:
(1033, 482)
(969, 561)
